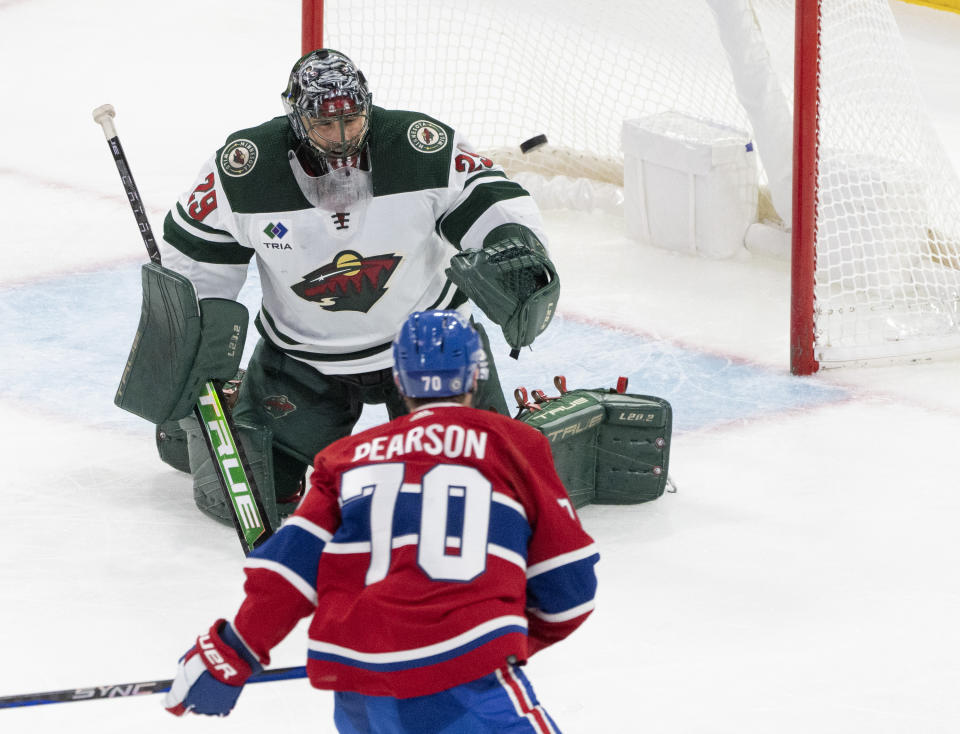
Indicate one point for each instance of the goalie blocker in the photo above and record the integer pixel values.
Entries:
(609, 447)
(180, 344)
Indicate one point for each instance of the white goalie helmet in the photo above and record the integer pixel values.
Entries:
(328, 104)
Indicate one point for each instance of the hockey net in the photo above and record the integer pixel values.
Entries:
(887, 206)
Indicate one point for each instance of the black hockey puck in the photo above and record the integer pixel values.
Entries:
(533, 143)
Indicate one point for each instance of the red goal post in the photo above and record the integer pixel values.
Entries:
(803, 360)
(871, 206)
(311, 25)
(876, 201)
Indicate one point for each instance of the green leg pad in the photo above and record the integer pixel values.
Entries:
(172, 445)
(572, 425)
(633, 449)
(609, 448)
(208, 494)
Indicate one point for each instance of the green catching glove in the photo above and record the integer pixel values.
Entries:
(512, 280)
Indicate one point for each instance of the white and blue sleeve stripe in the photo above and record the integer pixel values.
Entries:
(563, 587)
(293, 553)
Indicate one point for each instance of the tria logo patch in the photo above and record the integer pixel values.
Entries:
(349, 283)
(275, 230)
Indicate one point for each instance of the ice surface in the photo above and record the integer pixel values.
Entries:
(802, 579)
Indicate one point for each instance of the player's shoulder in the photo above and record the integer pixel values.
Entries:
(504, 423)
(344, 449)
(411, 151)
(503, 434)
(503, 430)
(244, 149)
(422, 132)
(254, 168)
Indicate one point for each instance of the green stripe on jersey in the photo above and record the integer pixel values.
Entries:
(313, 356)
(484, 174)
(201, 250)
(200, 225)
(455, 225)
(273, 325)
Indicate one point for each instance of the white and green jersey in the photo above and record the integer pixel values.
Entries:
(340, 275)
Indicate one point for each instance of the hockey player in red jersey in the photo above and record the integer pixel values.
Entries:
(435, 553)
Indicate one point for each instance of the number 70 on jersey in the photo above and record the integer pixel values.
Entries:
(384, 483)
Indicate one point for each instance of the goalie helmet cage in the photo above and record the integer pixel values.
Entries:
(873, 200)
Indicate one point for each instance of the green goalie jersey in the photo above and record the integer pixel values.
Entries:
(343, 258)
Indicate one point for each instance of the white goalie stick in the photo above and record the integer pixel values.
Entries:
(233, 470)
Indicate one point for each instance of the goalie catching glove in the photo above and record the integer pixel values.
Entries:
(512, 280)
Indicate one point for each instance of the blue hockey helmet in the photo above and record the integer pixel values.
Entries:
(436, 354)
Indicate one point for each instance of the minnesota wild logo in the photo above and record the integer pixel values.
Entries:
(426, 136)
(349, 283)
(238, 158)
(278, 406)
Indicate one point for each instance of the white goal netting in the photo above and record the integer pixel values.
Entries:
(888, 249)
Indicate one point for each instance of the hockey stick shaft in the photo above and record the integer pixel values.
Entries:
(104, 115)
(127, 690)
(233, 469)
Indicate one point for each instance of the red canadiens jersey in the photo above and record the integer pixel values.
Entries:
(428, 550)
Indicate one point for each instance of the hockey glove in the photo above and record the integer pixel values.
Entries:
(180, 344)
(512, 280)
(211, 674)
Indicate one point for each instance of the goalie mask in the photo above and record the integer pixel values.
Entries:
(436, 354)
(328, 104)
